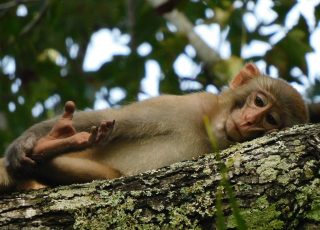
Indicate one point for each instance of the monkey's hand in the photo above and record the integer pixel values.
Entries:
(100, 136)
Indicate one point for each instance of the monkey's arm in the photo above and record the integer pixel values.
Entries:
(18, 153)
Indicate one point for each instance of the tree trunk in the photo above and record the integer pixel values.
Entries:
(275, 180)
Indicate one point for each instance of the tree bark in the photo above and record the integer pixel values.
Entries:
(275, 180)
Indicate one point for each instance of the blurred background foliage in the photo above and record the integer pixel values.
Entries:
(44, 45)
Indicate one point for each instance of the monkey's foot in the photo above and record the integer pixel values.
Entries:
(57, 142)
(50, 146)
(61, 137)
(64, 138)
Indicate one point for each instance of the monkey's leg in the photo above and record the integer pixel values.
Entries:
(8, 183)
(66, 169)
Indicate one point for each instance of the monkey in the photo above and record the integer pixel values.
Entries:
(107, 144)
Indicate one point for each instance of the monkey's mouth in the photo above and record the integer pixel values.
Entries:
(232, 131)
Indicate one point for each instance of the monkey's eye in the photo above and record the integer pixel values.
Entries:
(260, 100)
(271, 119)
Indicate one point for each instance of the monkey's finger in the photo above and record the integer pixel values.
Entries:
(102, 130)
(69, 109)
(110, 126)
(93, 135)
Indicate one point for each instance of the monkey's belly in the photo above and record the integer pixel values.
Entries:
(136, 156)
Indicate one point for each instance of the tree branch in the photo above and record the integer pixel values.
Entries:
(275, 180)
(27, 28)
(185, 27)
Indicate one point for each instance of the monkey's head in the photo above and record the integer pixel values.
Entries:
(261, 104)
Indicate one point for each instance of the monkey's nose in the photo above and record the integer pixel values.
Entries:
(251, 119)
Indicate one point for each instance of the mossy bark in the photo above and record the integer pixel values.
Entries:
(275, 179)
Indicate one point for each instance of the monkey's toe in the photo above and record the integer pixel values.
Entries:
(103, 132)
(69, 109)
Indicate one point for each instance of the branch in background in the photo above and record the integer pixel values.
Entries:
(3, 121)
(37, 18)
(131, 11)
(184, 26)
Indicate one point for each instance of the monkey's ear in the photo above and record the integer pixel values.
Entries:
(248, 72)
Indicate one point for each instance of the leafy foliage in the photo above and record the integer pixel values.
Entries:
(41, 37)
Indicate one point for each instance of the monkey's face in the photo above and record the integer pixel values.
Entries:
(254, 116)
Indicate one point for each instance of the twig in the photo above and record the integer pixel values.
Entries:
(208, 55)
(37, 18)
